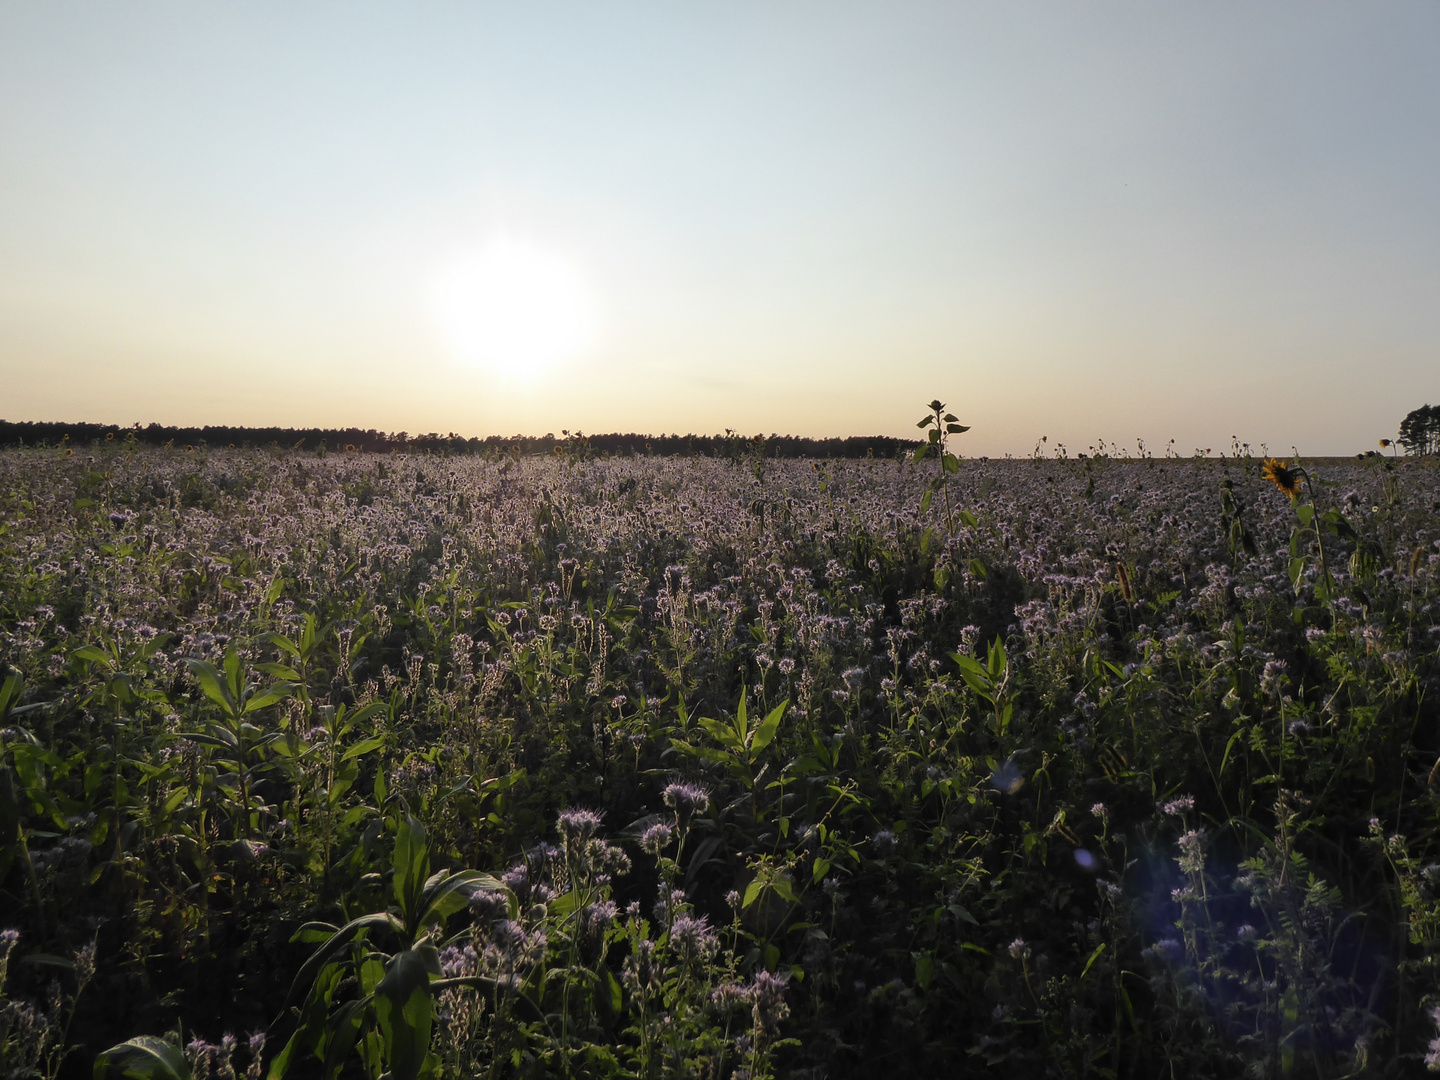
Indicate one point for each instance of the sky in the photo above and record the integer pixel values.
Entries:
(1149, 220)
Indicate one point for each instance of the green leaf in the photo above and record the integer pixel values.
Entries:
(404, 1011)
(765, 733)
(822, 867)
(1297, 570)
(752, 892)
(447, 893)
(95, 655)
(784, 889)
(360, 749)
(969, 519)
(280, 641)
(722, 733)
(1093, 957)
(269, 696)
(412, 866)
(210, 683)
(1306, 513)
(234, 676)
(341, 1032)
(322, 956)
(924, 970)
(144, 1058)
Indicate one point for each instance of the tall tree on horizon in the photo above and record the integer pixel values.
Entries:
(1420, 430)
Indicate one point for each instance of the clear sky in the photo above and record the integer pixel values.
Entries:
(1081, 220)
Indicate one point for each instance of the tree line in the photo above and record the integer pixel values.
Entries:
(729, 445)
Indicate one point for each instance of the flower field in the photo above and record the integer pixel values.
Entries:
(456, 766)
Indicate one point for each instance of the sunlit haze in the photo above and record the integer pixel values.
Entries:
(1081, 221)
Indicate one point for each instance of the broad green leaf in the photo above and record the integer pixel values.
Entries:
(446, 893)
(280, 641)
(341, 1032)
(784, 889)
(924, 970)
(404, 1011)
(212, 686)
(412, 866)
(144, 1058)
(269, 696)
(234, 675)
(360, 749)
(765, 733)
(310, 970)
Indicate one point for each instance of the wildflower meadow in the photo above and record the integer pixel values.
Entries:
(496, 765)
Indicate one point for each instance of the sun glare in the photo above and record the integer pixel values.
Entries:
(513, 308)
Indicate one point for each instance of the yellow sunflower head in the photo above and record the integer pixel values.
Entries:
(1287, 480)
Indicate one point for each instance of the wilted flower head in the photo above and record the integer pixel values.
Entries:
(1286, 479)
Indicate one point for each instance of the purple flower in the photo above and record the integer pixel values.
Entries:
(685, 799)
(693, 938)
(656, 838)
(577, 825)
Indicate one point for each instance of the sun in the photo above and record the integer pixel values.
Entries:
(513, 308)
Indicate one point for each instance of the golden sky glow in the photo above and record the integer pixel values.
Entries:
(1082, 221)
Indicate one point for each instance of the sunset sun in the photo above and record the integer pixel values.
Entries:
(512, 308)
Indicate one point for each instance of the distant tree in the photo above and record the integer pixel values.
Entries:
(1420, 431)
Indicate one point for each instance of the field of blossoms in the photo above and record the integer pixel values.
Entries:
(425, 766)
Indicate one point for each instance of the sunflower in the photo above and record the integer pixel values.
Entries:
(1287, 480)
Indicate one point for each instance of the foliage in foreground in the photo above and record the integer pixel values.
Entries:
(453, 767)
